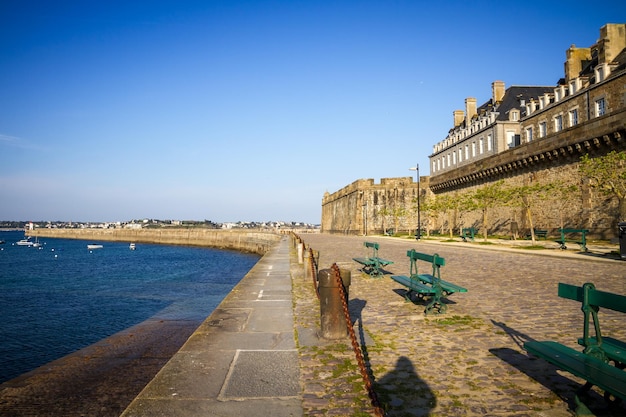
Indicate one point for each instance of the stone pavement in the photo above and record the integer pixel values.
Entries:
(469, 361)
(242, 361)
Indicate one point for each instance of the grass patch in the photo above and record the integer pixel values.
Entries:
(531, 247)
(457, 323)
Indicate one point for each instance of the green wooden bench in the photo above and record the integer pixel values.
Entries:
(540, 234)
(593, 364)
(427, 285)
(373, 265)
(564, 239)
(606, 348)
(468, 232)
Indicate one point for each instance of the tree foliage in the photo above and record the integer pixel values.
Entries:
(526, 197)
(607, 174)
(486, 198)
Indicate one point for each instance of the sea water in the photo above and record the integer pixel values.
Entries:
(60, 297)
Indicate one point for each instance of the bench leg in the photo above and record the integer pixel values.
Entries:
(435, 303)
(581, 408)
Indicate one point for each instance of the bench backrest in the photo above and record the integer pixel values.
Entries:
(374, 247)
(593, 297)
(573, 230)
(592, 300)
(435, 260)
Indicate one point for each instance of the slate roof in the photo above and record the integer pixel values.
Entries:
(514, 94)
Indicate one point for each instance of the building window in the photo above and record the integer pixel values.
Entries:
(600, 107)
(489, 143)
(460, 154)
(481, 146)
(543, 129)
(448, 161)
(466, 152)
(529, 134)
(573, 117)
(473, 149)
(514, 115)
(453, 157)
(510, 138)
(558, 123)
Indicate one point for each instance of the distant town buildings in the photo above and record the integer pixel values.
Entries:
(153, 223)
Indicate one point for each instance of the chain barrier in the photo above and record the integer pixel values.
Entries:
(314, 272)
(357, 349)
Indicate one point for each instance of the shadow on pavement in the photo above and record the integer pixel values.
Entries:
(550, 376)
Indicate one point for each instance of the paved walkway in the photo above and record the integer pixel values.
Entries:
(470, 361)
(259, 353)
(242, 361)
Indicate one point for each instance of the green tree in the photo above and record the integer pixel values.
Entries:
(607, 174)
(564, 194)
(485, 199)
(526, 197)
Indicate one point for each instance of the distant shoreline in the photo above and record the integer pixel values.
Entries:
(241, 240)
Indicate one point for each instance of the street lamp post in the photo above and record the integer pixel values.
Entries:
(418, 232)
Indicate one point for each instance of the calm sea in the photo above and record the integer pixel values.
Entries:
(61, 297)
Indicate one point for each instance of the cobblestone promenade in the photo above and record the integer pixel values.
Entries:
(468, 362)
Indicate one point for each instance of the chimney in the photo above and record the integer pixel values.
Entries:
(497, 91)
(612, 41)
(458, 117)
(470, 109)
(576, 58)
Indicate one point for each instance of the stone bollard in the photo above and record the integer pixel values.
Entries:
(301, 253)
(333, 320)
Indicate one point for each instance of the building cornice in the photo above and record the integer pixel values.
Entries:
(607, 132)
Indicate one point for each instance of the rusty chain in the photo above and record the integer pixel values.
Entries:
(314, 272)
(355, 345)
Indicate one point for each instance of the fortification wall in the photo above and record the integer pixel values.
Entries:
(240, 240)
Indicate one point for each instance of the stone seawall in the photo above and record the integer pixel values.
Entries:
(245, 241)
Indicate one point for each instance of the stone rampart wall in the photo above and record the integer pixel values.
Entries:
(245, 241)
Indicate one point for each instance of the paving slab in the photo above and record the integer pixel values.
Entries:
(242, 361)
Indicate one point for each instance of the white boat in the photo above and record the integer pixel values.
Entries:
(36, 243)
(94, 246)
(24, 242)
(132, 246)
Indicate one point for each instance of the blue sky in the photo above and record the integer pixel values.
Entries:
(249, 110)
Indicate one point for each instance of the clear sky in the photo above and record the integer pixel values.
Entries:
(249, 110)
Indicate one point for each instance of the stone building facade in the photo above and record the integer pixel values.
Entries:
(538, 137)
(488, 130)
(365, 207)
(584, 114)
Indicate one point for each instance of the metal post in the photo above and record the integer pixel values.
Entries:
(418, 232)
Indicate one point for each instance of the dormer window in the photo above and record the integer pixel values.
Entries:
(601, 72)
(514, 115)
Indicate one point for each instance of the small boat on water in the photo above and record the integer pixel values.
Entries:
(92, 246)
(132, 246)
(25, 242)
